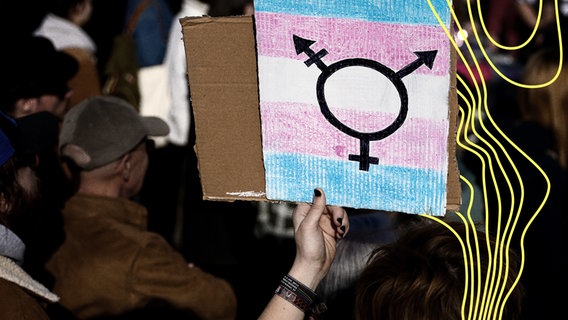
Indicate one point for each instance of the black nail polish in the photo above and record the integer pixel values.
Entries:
(342, 228)
(340, 220)
(317, 193)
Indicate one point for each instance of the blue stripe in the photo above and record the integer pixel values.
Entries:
(389, 11)
(292, 177)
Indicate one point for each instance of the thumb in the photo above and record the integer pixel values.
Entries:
(317, 208)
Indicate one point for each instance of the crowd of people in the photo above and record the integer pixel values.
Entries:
(98, 222)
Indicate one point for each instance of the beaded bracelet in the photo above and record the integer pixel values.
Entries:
(300, 296)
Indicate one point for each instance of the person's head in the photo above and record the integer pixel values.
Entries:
(36, 77)
(77, 11)
(367, 230)
(547, 106)
(106, 138)
(21, 140)
(422, 275)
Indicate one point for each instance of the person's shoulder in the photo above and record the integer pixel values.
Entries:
(18, 303)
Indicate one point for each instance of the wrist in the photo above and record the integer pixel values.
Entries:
(307, 274)
(310, 281)
(301, 296)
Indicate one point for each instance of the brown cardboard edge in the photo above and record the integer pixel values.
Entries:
(453, 186)
(221, 53)
(246, 62)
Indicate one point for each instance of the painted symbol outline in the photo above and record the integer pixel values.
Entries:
(424, 57)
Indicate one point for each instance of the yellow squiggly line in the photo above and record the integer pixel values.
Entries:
(468, 118)
(510, 48)
(474, 294)
(491, 303)
(490, 289)
(466, 253)
(478, 293)
(488, 59)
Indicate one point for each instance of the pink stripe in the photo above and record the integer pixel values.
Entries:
(390, 44)
(302, 129)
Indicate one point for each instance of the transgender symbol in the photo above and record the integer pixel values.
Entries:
(424, 57)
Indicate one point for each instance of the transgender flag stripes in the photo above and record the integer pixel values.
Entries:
(336, 76)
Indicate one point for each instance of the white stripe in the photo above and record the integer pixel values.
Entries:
(354, 88)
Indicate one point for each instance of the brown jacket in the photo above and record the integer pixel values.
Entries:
(86, 83)
(21, 297)
(109, 264)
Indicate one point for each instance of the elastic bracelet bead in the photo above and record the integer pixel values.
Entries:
(301, 297)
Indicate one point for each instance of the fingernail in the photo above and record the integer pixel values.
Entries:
(340, 220)
(317, 193)
(342, 228)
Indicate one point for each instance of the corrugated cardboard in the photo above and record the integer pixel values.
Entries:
(221, 56)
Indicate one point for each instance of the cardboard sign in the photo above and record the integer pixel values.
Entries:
(222, 69)
(354, 98)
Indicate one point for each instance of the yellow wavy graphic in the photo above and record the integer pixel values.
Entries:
(485, 299)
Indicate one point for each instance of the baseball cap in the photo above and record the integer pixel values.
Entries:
(29, 135)
(7, 136)
(105, 128)
(34, 68)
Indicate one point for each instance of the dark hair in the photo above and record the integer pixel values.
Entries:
(422, 275)
(219, 8)
(63, 8)
(13, 196)
(10, 190)
(367, 230)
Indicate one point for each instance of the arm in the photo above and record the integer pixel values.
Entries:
(316, 229)
(160, 273)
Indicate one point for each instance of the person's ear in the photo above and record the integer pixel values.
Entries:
(76, 153)
(4, 206)
(125, 164)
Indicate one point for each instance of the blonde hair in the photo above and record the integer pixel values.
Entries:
(547, 106)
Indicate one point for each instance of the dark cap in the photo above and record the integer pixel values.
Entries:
(38, 132)
(105, 128)
(33, 68)
(29, 135)
(8, 133)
